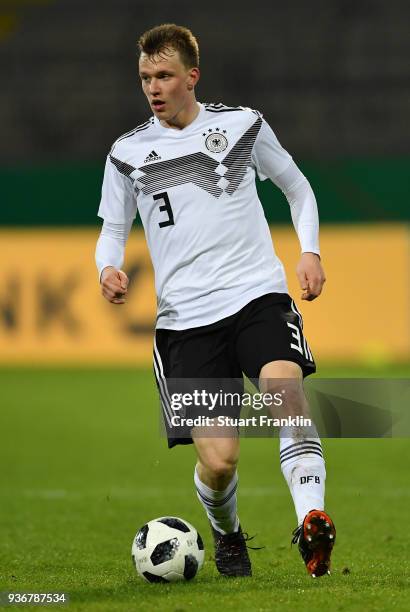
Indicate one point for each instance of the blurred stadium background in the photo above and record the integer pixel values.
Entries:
(331, 77)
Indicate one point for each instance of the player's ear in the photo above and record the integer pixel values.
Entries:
(193, 78)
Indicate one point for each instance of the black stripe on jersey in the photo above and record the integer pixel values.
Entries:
(223, 110)
(196, 168)
(239, 157)
(142, 128)
(218, 108)
(122, 167)
(139, 128)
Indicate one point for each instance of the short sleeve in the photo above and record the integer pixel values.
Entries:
(268, 156)
(118, 199)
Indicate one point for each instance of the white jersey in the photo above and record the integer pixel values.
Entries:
(205, 227)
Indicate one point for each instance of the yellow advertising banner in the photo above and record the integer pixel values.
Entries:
(51, 308)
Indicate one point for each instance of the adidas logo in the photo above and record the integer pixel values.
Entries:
(152, 157)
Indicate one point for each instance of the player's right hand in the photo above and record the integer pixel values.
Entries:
(114, 285)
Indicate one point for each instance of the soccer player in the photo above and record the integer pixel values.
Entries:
(223, 302)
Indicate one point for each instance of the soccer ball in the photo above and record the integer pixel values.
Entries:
(167, 549)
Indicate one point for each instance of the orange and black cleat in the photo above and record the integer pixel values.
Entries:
(315, 538)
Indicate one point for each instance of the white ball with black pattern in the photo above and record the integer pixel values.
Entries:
(167, 549)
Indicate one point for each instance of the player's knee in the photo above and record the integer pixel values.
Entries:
(221, 468)
(224, 468)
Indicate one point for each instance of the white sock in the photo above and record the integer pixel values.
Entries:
(220, 506)
(303, 467)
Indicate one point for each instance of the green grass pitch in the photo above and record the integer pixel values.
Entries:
(83, 467)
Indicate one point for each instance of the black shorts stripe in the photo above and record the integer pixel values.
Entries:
(165, 407)
(296, 311)
(162, 384)
(159, 361)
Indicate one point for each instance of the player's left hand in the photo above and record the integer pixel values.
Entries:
(311, 276)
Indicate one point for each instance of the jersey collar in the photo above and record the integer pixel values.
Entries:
(180, 133)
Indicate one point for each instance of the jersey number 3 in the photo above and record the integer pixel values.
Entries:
(166, 207)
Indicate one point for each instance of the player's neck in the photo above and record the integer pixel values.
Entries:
(185, 116)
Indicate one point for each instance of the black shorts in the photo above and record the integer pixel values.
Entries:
(267, 329)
